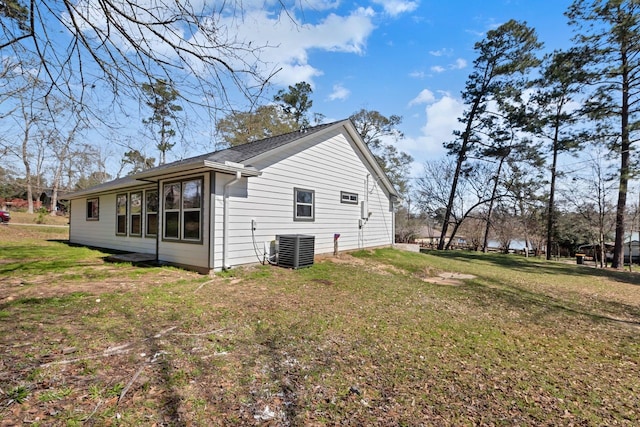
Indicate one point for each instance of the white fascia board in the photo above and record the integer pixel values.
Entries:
(103, 188)
(355, 136)
(197, 166)
(232, 168)
(154, 175)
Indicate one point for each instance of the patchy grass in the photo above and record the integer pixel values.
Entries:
(357, 340)
(37, 218)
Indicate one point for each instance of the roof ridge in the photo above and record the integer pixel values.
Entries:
(302, 130)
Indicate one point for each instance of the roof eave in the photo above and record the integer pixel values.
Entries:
(353, 133)
(200, 164)
(348, 124)
(154, 175)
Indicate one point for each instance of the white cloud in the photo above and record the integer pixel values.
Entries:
(291, 41)
(339, 93)
(284, 41)
(397, 7)
(459, 64)
(424, 97)
(441, 52)
(441, 119)
(417, 74)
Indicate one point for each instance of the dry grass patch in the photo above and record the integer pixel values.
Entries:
(361, 340)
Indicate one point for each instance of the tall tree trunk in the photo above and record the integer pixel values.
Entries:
(552, 190)
(56, 186)
(485, 243)
(462, 155)
(27, 166)
(625, 147)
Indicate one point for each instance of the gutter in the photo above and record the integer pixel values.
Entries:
(225, 219)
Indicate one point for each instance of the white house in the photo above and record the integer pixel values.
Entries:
(225, 209)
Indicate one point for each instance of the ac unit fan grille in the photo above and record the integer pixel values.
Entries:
(295, 250)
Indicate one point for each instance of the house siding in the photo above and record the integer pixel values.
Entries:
(102, 233)
(326, 164)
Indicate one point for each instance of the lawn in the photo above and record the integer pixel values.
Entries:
(369, 338)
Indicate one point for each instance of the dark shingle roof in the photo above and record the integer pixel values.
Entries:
(240, 153)
(237, 154)
(246, 151)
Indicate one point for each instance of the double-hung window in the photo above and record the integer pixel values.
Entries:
(303, 205)
(191, 209)
(183, 210)
(93, 209)
(121, 214)
(172, 195)
(135, 214)
(151, 211)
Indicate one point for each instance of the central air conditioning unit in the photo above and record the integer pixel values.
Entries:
(295, 250)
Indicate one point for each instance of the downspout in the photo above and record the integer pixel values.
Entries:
(225, 219)
(158, 222)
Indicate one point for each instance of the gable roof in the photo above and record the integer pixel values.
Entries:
(233, 159)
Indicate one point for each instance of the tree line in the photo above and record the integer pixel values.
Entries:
(68, 67)
(523, 109)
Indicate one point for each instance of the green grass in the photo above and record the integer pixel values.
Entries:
(33, 256)
(365, 341)
(53, 395)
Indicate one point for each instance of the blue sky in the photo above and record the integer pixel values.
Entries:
(405, 57)
(409, 58)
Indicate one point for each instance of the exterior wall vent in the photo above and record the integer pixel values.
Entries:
(295, 250)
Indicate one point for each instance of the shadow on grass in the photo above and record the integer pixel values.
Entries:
(56, 302)
(492, 291)
(535, 264)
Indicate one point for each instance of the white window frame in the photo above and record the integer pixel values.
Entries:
(147, 213)
(348, 198)
(174, 210)
(124, 215)
(181, 209)
(189, 210)
(133, 214)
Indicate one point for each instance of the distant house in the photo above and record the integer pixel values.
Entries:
(428, 236)
(46, 198)
(225, 209)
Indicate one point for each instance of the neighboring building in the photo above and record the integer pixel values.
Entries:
(45, 200)
(225, 208)
(428, 236)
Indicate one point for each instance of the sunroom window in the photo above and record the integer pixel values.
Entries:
(135, 213)
(183, 210)
(121, 214)
(151, 211)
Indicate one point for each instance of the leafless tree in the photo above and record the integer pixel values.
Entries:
(83, 47)
(591, 196)
(472, 191)
(62, 146)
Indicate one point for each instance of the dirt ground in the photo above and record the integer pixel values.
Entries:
(53, 285)
(111, 344)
